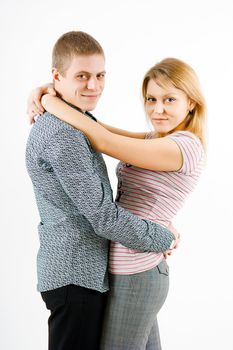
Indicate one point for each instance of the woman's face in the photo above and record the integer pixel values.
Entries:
(167, 107)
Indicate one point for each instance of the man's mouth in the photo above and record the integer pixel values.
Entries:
(91, 97)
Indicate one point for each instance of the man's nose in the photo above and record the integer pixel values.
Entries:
(158, 107)
(92, 83)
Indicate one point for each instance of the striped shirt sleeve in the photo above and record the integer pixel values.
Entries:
(191, 149)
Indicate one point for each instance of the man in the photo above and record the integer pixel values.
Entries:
(74, 198)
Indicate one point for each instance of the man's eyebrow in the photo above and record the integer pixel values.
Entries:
(103, 72)
(83, 72)
(88, 73)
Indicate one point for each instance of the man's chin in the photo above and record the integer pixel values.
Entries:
(89, 106)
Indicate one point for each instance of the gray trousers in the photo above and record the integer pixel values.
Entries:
(131, 314)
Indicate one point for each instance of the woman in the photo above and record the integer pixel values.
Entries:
(156, 173)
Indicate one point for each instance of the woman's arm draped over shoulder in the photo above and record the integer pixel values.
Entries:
(162, 154)
(136, 135)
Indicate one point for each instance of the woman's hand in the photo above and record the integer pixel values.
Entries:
(34, 106)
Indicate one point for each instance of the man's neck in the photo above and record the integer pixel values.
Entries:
(73, 106)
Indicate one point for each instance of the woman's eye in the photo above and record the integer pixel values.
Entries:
(170, 99)
(150, 99)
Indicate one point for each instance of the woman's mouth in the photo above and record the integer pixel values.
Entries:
(159, 120)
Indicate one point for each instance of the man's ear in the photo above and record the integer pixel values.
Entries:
(56, 75)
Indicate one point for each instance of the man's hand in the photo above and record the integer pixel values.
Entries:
(176, 241)
(34, 106)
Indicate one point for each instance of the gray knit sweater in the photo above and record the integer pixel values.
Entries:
(77, 211)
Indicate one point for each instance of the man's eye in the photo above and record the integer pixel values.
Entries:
(101, 76)
(82, 77)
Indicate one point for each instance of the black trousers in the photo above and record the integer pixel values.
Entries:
(76, 317)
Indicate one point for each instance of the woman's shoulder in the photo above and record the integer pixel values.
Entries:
(188, 140)
(191, 148)
(185, 134)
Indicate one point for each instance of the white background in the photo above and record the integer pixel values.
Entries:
(198, 313)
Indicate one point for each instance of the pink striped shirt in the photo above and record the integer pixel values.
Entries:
(156, 196)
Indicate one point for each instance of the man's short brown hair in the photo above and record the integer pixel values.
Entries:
(73, 44)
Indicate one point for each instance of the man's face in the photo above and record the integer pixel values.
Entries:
(83, 82)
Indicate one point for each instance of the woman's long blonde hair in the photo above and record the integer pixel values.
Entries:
(182, 76)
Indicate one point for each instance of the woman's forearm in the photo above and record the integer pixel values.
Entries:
(136, 135)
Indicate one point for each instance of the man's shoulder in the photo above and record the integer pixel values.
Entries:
(51, 131)
(53, 127)
(51, 123)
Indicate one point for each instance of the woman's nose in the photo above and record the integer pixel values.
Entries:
(158, 107)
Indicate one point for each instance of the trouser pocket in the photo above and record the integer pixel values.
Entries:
(163, 268)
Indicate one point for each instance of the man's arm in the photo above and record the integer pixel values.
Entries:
(70, 156)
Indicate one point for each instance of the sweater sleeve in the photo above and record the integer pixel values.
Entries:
(71, 159)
